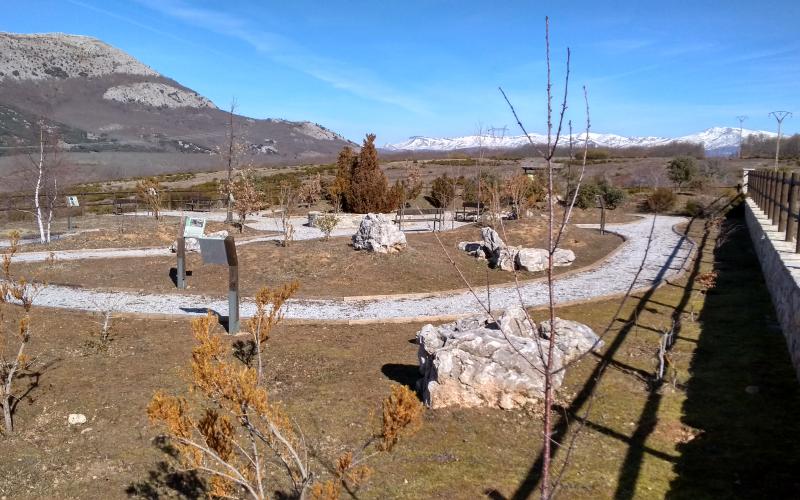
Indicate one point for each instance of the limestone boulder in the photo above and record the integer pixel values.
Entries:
(535, 259)
(473, 249)
(563, 257)
(476, 361)
(532, 259)
(491, 240)
(505, 258)
(377, 233)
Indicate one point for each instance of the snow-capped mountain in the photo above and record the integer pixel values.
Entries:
(715, 139)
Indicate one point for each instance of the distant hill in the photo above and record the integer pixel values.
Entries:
(717, 141)
(104, 100)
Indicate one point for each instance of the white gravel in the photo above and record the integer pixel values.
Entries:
(261, 223)
(664, 257)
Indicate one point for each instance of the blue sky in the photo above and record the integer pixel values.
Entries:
(416, 67)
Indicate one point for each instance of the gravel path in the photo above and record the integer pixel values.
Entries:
(664, 256)
(261, 223)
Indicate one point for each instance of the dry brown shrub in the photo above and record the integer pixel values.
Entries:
(402, 414)
(234, 431)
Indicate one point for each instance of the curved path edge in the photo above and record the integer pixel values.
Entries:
(664, 257)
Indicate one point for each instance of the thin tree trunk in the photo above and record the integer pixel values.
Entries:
(37, 190)
(9, 424)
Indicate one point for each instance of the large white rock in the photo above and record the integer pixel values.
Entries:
(535, 259)
(532, 259)
(377, 233)
(491, 240)
(477, 362)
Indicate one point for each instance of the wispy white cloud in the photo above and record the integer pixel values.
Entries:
(128, 20)
(285, 51)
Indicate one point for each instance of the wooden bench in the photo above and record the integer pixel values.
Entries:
(198, 205)
(123, 206)
(469, 209)
(435, 215)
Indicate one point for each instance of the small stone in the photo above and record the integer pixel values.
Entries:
(76, 419)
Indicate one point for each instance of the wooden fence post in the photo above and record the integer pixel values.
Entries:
(773, 199)
(180, 250)
(783, 201)
(776, 197)
(233, 285)
(791, 207)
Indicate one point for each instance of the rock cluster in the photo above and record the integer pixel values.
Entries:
(509, 258)
(377, 233)
(476, 361)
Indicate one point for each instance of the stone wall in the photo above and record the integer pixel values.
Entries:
(781, 268)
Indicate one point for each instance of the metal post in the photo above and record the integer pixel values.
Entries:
(783, 200)
(233, 285)
(791, 207)
(180, 279)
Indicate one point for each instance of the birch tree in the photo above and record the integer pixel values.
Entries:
(41, 174)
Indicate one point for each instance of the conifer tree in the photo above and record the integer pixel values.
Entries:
(369, 189)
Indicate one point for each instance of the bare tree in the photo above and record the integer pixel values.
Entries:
(13, 359)
(547, 485)
(42, 176)
(231, 155)
(287, 199)
(246, 198)
(150, 192)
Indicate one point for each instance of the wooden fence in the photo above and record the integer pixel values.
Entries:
(777, 194)
(115, 201)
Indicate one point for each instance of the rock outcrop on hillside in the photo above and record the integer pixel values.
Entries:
(101, 99)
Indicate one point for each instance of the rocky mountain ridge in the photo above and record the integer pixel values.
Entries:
(110, 101)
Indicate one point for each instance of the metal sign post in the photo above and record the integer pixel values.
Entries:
(223, 252)
(72, 201)
(233, 285)
(180, 279)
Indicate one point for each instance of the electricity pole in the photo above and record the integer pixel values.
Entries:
(779, 116)
(741, 119)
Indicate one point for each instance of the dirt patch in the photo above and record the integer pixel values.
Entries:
(328, 268)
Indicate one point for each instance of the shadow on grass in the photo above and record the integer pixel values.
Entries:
(742, 395)
(629, 474)
(402, 374)
(166, 480)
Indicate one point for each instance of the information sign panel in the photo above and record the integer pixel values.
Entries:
(213, 251)
(72, 201)
(194, 228)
